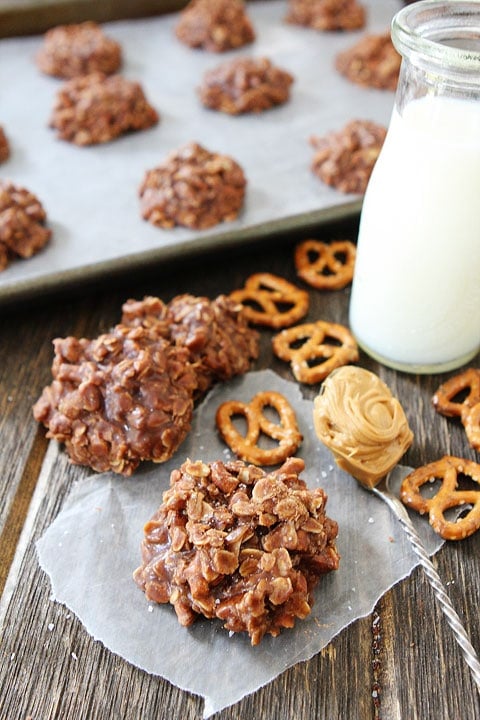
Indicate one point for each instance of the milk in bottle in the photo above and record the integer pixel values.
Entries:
(415, 301)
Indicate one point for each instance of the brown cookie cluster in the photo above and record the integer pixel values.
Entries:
(215, 25)
(123, 397)
(98, 108)
(345, 159)
(73, 50)
(128, 395)
(233, 542)
(326, 14)
(216, 333)
(193, 187)
(4, 146)
(22, 223)
(245, 85)
(371, 62)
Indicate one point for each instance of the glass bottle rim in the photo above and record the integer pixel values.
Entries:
(425, 31)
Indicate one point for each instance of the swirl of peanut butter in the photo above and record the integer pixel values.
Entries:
(359, 420)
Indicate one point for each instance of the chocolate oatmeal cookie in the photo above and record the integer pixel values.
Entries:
(245, 85)
(194, 188)
(345, 159)
(72, 50)
(216, 333)
(121, 398)
(371, 62)
(22, 223)
(326, 14)
(215, 25)
(98, 108)
(232, 542)
(4, 146)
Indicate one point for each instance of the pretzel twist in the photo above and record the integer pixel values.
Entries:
(466, 386)
(471, 423)
(320, 351)
(443, 400)
(447, 470)
(271, 301)
(325, 266)
(285, 433)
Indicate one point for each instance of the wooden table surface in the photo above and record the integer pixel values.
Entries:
(399, 663)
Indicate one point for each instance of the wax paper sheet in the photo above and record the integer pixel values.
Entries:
(90, 193)
(93, 546)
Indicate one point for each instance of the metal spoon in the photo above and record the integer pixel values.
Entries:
(382, 491)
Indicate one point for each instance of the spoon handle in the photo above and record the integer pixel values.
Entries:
(469, 653)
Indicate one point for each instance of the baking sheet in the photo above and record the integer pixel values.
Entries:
(90, 193)
(100, 527)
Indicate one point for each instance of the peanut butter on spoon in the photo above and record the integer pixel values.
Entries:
(358, 419)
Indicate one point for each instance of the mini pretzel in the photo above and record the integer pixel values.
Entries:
(446, 469)
(271, 301)
(325, 266)
(471, 423)
(320, 351)
(443, 400)
(246, 447)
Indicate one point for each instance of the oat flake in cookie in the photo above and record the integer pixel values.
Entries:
(245, 85)
(326, 14)
(22, 224)
(371, 62)
(215, 25)
(232, 542)
(345, 159)
(72, 50)
(98, 108)
(193, 187)
(121, 398)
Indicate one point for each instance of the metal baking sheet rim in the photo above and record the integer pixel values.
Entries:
(58, 281)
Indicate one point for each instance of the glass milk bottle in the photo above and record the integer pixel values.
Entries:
(415, 302)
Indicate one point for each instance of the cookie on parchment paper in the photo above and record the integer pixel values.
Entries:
(245, 85)
(97, 108)
(73, 50)
(22, 223)
(193, 187)
(372, 62)
(326, 15)
(215, 25)
(344, 159)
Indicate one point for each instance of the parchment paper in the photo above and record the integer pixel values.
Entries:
(93, 546)
(90, 193)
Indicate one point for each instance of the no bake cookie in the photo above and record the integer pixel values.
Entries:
(371, 62)
(245, 85)
(232, 542)
(193, 187)
(326, 14)
(215, 25)
(73, 50)
(98, 108)
(118, 399)
(22, 223)
(216, 333)
(345, 159)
